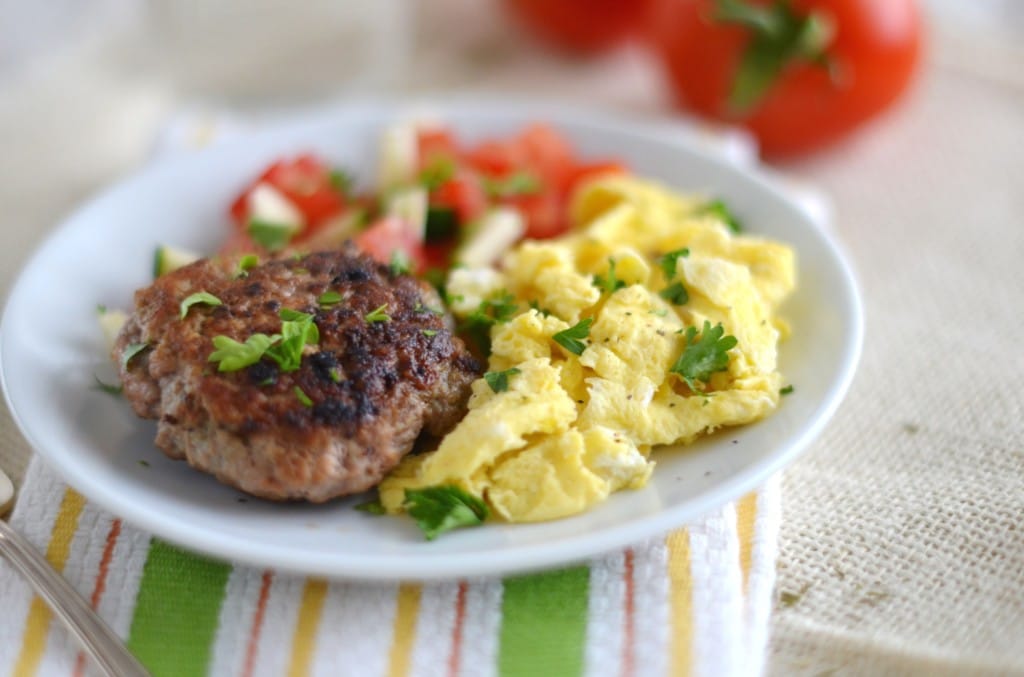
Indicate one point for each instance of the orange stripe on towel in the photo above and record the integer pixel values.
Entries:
(101, 583)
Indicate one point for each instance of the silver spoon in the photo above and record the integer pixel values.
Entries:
(95, 636)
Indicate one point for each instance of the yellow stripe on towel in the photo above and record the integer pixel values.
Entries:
(37, 626)
(304, 641)
(746, 520)
(681, 591)
(400, 658)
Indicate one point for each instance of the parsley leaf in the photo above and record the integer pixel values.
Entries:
(704, 356)
(271, 236)
(609, 283)
(303, 397)
(438, 170)
(233, 355)
(108, 388)
(498, 380)
(329, 298)
(400, 263)
(517, 183)
(420, 308)
(719, 209)
(199, 297)
(440, 509)
(786, 391)
(379, 314)
(373, 506)
(297, 331)
(130, 351)
(571, 338)
(668, 261)
(490, 312)
(341, 181)
(675, 293)
(536, 306)
(247, 263)
(428, 332)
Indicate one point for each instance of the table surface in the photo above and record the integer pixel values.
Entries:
(901, 547)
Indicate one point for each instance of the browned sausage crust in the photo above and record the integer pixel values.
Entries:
(370, 388)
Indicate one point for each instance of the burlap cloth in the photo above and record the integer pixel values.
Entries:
(902, 544)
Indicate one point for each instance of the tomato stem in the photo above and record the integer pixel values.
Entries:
(780, 37)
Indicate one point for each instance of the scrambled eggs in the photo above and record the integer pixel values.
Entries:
(566, 430)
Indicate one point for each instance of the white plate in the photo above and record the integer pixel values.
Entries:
(51, 347)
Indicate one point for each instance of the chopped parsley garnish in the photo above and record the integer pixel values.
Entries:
(297, 331)
(496, 310)
(101, 309)
(704, 356)
(719, 209)
(203, 297)
(302, 396)
(373, 506)
(492, 311)
(232, 355)
(438, 170)
(428, 332)
(675, 293)
(400, 263)
(271, 236)
(660, 312)
(440, 509)
(329, 298)
(668, 261)
(786, 391)
(420, 308)
(572, 338)
(536, 306)
(609, 283)
(379, 314)
(341, 181)
(247, 263)
(108, 388)
(130, 351)
(517, 183)
(498, 380)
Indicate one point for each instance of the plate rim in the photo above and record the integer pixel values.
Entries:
(524, 557)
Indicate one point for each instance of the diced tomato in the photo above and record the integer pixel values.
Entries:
(495, 158)
(437, 255)
(388, 234)
(464, 193)
(545, 214)
(581, 173)
(238, 242)
(432, 142)
(306, 181)
(546, 152)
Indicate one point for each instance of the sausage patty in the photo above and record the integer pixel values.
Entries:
(357, 402)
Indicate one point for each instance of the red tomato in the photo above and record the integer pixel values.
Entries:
(306, 182)
(433, 142)
(545, 214)
(389, 234)
(464, 193)
(495, 158)
(580, 173)
(875, 49)
(583, 26)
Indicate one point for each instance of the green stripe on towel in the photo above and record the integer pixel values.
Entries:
(177, 610)
(544, 624)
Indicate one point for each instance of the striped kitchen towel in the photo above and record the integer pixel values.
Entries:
(695, 601)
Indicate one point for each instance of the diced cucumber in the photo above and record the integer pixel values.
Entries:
(111, 322)
(269, 205)
(493, 235)
(410, 205)
(399, 157)
(167, 258)
(333, 233)
(271, 235)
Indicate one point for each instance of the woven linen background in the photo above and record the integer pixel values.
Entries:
(902, 546)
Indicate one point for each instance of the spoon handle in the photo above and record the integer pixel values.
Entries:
(85, 624)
